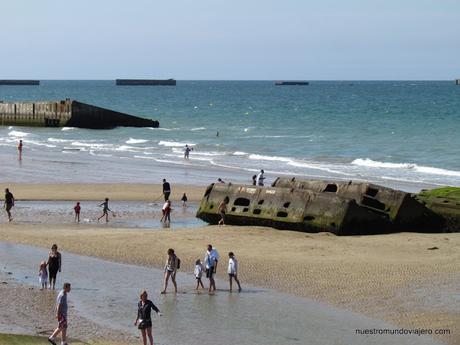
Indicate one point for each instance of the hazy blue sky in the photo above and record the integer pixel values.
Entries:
(232, 39)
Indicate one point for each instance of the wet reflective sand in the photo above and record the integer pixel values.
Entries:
(128, 214)
(107, 294)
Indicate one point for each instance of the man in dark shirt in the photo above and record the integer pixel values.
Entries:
(9, 203)
(166, 189)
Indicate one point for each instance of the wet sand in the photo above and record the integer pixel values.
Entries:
(253, 316)
(395, 277)
(128, 214)
(34, 314)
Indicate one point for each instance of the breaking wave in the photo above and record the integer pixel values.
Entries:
(405, 166)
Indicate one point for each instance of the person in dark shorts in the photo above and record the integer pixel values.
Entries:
(54, 265)
(105, 210)
(144, 319)
(184, 200)
(9, 203)
(77, 209)
(170, 270)
(211, 259)
(223, 210)
(61, 316)
(254, 180)
(233, 270)
(166, 189)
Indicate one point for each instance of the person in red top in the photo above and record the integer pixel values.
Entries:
(77, 209)
(20, 149)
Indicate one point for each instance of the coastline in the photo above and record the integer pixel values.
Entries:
(254, 312)
(387, 277)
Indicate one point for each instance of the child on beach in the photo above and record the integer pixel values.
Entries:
(77, 209)
(105, 211)
(198, 274)
(184, 200)
(233, 270)
(43, 275)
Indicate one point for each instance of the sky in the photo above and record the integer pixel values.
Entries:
(230, 40)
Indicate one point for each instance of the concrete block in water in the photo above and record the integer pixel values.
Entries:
(290, 209)
(18, 82)
(145, 82)
(67, 113)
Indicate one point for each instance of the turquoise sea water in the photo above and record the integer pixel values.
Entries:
(390, 132)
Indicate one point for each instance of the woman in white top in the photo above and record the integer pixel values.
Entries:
(170, 270)
(233, 270)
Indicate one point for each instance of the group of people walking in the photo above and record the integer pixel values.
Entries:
(211, 259)
(145, 306)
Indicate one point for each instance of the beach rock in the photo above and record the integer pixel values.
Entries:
(445, 202)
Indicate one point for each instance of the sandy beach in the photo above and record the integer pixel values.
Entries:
(41, 317)
(99, 191)
(407, 279)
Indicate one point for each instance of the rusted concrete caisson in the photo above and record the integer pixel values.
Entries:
(405, 212)
(291, 209)
(67, 113)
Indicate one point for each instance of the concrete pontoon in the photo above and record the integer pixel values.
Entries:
(145, 82)
(67, 113)
(19, 82)
(290, 209)
(403, 209)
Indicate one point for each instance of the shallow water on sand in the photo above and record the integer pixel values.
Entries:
(107, 293)
(128, 214)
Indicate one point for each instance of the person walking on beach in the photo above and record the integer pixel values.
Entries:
(77, 209)
(187, 151)
(20, 150)
(9, 203)
(184, 200)
(233, 270)
(54, 264)
(166, 189)
(260, 178)
(144, 318)
(43, 275)
(223, 210)
(198, 274)
(170, 270)
(211, 259)
(61, 316)
(105, 211)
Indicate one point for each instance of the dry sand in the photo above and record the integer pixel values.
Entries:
(390, 277)
(99, 191)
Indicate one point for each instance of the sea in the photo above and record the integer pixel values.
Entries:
(402, 134)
